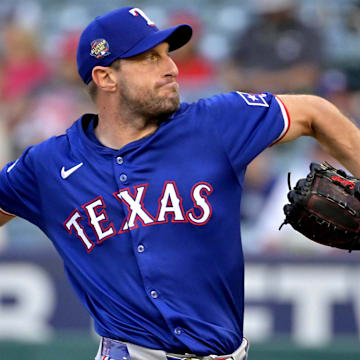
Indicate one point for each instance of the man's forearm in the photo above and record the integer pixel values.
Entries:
(337, 135)
(314, 116)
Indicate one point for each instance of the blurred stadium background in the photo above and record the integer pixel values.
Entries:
(303, 300)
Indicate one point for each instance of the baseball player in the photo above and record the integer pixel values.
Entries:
(142, 199)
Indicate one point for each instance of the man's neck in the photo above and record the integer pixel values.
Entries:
(115, 132)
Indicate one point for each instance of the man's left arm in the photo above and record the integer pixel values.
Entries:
(314, 116)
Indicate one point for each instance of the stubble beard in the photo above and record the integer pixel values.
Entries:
(148, 105)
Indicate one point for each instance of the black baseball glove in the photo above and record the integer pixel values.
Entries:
(325, 207)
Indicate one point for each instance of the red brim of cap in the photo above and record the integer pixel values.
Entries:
(176, 37)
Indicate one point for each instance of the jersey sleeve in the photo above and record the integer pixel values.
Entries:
(246, 124)
(19, 190)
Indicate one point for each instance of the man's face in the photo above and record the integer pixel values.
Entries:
(147, 84)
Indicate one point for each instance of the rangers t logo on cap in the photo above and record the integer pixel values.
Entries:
(137, 12)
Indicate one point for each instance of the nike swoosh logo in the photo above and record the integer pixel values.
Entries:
(66, 173)
(11, 166)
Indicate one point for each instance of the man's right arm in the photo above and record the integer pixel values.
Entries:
(4, 218)
(19, 190)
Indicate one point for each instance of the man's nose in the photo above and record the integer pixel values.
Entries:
(172, 69)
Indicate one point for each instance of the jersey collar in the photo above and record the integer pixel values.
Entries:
(82, 137)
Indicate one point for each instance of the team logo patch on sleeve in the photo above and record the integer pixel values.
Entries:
(254, 99)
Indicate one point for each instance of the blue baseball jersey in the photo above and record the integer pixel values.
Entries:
(150, 234)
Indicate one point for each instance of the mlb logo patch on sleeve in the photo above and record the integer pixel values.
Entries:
(254, 99)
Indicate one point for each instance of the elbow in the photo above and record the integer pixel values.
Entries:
(318, 114)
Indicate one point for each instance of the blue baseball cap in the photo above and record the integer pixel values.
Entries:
(123, 33)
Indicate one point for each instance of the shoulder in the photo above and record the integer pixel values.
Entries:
(233, 101)
(53, 148)
(212, 102)
(219, 109)
(47, 148)
(197, 112)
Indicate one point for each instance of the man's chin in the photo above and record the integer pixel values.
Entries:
(175, 107)
(171, 103)
(166, 112)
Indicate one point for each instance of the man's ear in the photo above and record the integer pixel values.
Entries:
(104, 78)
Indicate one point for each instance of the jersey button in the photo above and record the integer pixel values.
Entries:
(154, 294)
(178, 331)
(123, 177)
(119, 160)
(140, 248)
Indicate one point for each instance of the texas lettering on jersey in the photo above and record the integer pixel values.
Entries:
(169, 207)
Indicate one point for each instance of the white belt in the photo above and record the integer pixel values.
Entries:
(111, 349)
(239, 354)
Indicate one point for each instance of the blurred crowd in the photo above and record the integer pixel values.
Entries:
(280, 46)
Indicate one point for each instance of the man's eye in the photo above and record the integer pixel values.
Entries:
(153, 57)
